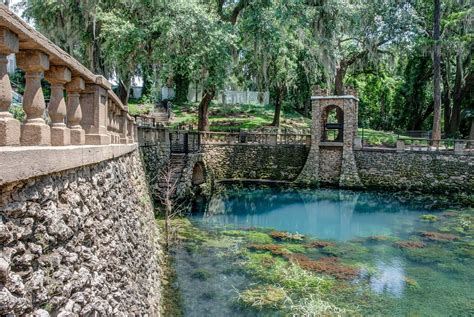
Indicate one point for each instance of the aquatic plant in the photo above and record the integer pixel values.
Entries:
(329, 266)
(411, 283)
(428, 255)
(410, 244)
(267, 296)
(430, 218)
(315, 306)
(318, 244)
(275, 249)
(438, 236)
(201, 274)
(295, 247)
(285, 236)
(350, 250)
(251, 236)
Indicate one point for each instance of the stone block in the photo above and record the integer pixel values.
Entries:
(9, 42)
(60, 136)
(10, 131)
(357, 143)
(400, 146)
(78, 137)
(76, 84)
(97, 139)
(58, 74)
(35, 133)
(32, 61)
(102, 81)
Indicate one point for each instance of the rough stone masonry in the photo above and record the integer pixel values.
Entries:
(81, 242)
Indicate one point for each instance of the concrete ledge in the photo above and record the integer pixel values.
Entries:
(21, 163)
(254, 144)
(255, 181)
(408, 151)
(334, 97)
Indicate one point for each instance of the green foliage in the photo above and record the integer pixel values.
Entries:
(201, 274)
(429, 218)
(251, 236)
(18, 113)
(383, 48)
(264, 297)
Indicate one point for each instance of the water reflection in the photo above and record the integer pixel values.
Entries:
(390, 278)
(338, 215)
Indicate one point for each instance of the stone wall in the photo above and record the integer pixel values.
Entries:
(428, 172)
(330, 165)
(255, 161)
(80, 242)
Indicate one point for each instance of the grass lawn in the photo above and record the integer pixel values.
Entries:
(235, 118)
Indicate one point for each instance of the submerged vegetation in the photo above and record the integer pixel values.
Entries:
(292, 274)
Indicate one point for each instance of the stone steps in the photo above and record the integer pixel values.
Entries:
(178, 163)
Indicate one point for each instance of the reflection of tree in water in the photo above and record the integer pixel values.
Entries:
(251, 200)
(259, 200)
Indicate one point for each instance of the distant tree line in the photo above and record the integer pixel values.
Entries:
(411, 60)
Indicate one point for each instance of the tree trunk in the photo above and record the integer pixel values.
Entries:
(278, 105)
(471, 134)
(446, 99)
(124, 90)
(339, 80)
(148, 80)
(455, 121)
(203, 123)
(436, 135)
(182, 85)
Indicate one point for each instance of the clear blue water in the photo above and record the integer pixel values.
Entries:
(325, 214)
(437, 280)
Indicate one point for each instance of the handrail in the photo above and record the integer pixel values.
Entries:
(92, 113)
(458, 146)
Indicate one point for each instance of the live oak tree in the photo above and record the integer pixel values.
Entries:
(383, 47)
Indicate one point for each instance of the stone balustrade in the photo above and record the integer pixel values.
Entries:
(83, 109)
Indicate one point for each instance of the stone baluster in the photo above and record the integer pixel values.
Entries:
(74, 110)
(35, 131)
(58, 76)
(112, 124)
(9, 127)
(130, 128)
(123, 128)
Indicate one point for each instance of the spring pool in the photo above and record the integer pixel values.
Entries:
(275, 252)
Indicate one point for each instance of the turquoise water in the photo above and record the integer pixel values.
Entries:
(325, 214)
(435, 280)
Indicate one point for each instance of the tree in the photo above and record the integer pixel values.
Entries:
(358, 32)
(172, 207)
(436, 135)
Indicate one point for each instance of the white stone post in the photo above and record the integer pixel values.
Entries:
(400, 146)
(357, 143)
(74, 110)
(35, 131)
(60, 133)
(9, 127)
(459, 147)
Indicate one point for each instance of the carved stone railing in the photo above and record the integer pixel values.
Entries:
(460, 147)
(255, 138)
(83, 109)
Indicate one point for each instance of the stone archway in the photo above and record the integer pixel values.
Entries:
(199, 174)
(332, 124)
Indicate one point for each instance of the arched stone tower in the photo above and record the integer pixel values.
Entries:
(334, 130)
